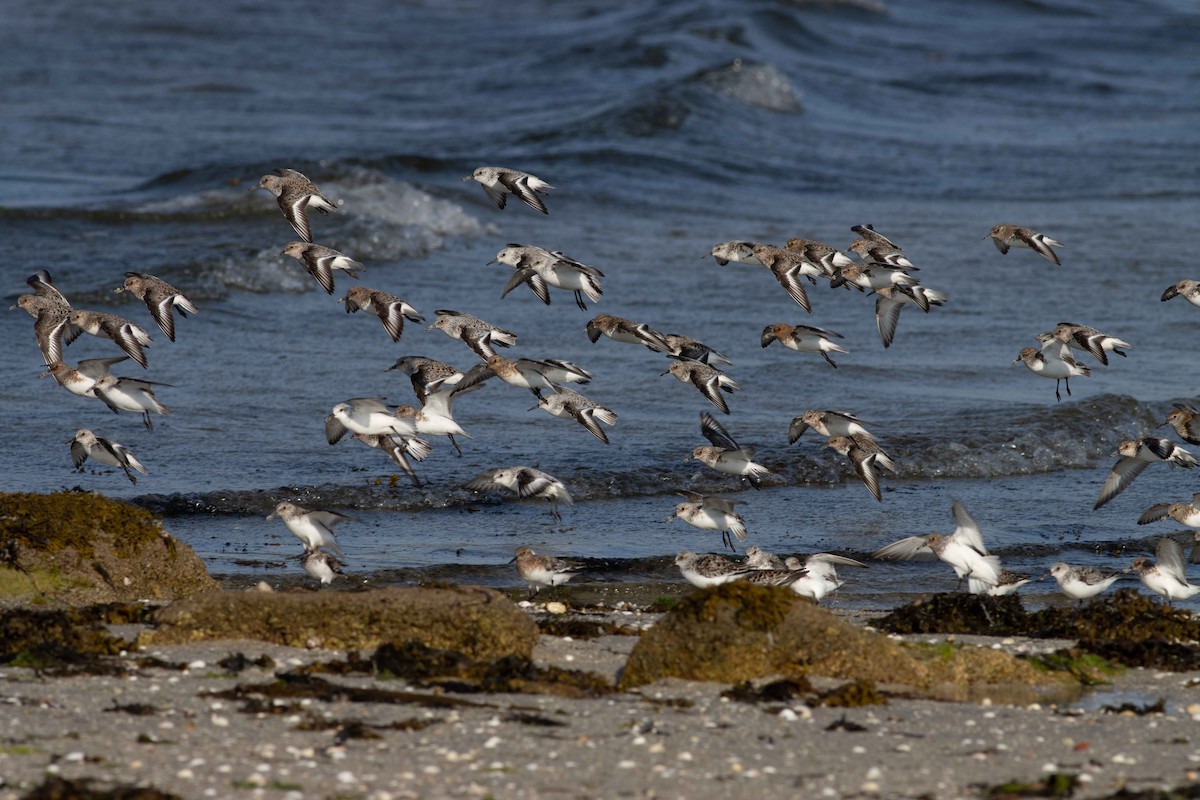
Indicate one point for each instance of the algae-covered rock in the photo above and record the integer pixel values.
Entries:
(739, 631)
(480, 623)
(77, 548)
(959, 613)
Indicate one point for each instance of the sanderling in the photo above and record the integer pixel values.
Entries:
(391, 310)
(569, 404)
(710, 381)
(538, 570)
(874, 277)
(1080, 583)
(828, 424)
(1090, 340)
(737, 252)
(368, 416)
(711, 514)
(130, 394)
(313, 527)
(1188, 290)
(758, 558)
(1055, 361)
(1136, 455)
(803, 339)
(1006, 236)
(725, 454)
(825, 258)
(882, 253)
(81, 380)
(1009, 583)
(321, 261)
(695, 350)
(1186, 422)
(865, 456)
(889, 302)
(129, 337)
(540, 268)
(963, 550)
(525, 482)
(788, 268)
(160, 298)
(398, 449)
(43, 286)
(623, 330)
(473, 332)
(426, 374)
(435, 417)
(869, 233)
(709, 569)
(818, 574)
(524, 373)
(86, 444)
(295, 194)
(1166, 576)
(1187, 514)
(500, 182)
(52, 319)
(321, 565)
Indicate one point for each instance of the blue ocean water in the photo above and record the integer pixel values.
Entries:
(133, 133)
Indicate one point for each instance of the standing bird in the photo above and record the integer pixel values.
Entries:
(313, 527)
(1080, 583)
(473, 332)
(1055, 361)
(500, 182)
(963, 550)
(1006, 236)
(803, 339)
(295, 194)
(130, 394)
(525, 482)
(1136, 455)
(725, 454)
(86, 444)
(321, 565)
(538, 570)
(709, 569)
(1009, 583)
(160, 298)
(1166, 575)
(1188, 290)
(711, 514)
(320, 262)
(391, 310)
(710, 381)
(1186, 422)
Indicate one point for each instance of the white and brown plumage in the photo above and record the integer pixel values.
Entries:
(1009, 582)
(313, 527)
(1053, 360)
(865, 456)
(963, 550)
(1187, 514)
(569, 404)
(818, 574)
(1186, 422)
(81, 380)
(758, 558)
(737, 252)
(320, 262)
(825, 258)
(879, 252)
(295, 194)
(1080, 583)
(321, 566)
(398, 449)
(130, 394)
(1187, 289)
(426, 374)
(803, 339)
(525, 483)
(869, 233)
(709, 381)
(500, 182)
(86, 444)
(788, 268)
(391, 310)
(541, 268)
(129, 337)
(725, 454)
(160, 298)
(889, 302)
(709, 569)
(540, 570)
(369, 416)
(1136, 455)
(627, 331)
(694, 350)
(711, 514)
(1089, 340)
(828, 424)
(1166, 575)
(1006, 236)
(476, 334)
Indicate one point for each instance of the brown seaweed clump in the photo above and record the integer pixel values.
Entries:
(56, 788)
(739, 631)
(71, 548)
(959, 613)
(480, 623)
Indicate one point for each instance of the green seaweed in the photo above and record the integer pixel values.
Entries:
(63, 520)
(1056, 784)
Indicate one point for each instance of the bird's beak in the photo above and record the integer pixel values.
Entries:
(534, 408)
(469, 177)
(668, 519)
(271, 515)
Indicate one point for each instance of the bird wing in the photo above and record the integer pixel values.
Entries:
(1154, 513)
(1123, 473)
(887, 316)
(715, 433)
(334, 429)
(907, 548)
(966, 529)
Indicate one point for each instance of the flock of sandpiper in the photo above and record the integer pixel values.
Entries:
(882, 268)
